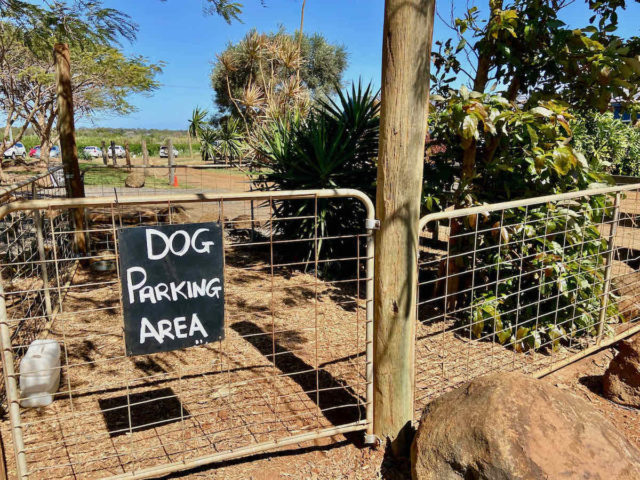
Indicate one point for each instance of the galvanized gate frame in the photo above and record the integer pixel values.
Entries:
(11, 377)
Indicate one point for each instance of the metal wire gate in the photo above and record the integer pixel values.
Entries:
(294, 366)
(527, 285)
(22, 246)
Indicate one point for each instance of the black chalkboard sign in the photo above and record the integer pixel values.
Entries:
(172, 286)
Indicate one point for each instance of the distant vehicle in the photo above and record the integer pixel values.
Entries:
(53, 153)
(17, 151)
(120, 153)
(93, 152)
(164, 152)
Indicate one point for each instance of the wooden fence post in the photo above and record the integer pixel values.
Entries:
(67, 133)
(127, 153)
(408, 28)
(113, 153)
(145, 154)
(172, 172)
(105, 155)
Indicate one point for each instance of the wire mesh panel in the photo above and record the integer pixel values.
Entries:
(292, 366)
(25, 241)
(524, 285)
(101, 180)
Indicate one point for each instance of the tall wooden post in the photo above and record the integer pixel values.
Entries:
(172, 170)
(127, 153)
(105, 156)
(67, 133)
(113, 153)
(408, 29)
(145, 154)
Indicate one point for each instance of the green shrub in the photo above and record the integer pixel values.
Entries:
(608, 143)
(538, 271)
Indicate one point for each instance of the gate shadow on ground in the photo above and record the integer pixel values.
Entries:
(337, 401)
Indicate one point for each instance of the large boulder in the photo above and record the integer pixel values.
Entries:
(509, 426)
(621, 381)
(135, 180)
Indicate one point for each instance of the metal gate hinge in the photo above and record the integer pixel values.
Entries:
(372, 224)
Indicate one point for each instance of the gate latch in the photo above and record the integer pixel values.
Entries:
(372, 224)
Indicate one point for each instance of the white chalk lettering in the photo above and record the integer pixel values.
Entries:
(179, 326)
(164, 329)
(177, 290)
(197, 326)
(171, 330)
(170, 243)
(150, 254)
(131, 287)
(162, 291)
(205, 245)
(147, 331)
(186, 245)
(213, 291)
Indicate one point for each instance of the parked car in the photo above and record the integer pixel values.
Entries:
(120, 153)
(17, 151)
(53, 153)
(164, 152)
(92, 152)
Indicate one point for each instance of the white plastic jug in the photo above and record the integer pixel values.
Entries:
(40, 373)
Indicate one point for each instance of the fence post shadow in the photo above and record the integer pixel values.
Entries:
(337, 401)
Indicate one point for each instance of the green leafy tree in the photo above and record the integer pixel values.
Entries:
(522, 49)
(102, 79)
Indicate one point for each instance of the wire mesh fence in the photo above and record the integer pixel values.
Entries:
(293, 365)
(101, 180)
(524, 285)
(25, 244)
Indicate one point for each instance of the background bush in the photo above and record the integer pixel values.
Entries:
(608, 143)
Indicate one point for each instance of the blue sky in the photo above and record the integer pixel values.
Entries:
(177, 32)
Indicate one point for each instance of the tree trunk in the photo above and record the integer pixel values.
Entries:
(190, 147)
(45, 150)
(408, 31)
(66, 129)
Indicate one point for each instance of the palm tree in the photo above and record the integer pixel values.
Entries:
(197, 122)
(230, 141)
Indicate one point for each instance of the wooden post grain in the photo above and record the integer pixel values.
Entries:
(408, 28)
(66, 130)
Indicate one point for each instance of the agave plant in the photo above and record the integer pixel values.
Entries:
(336, 146)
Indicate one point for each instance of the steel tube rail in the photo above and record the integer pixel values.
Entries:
(526, 202)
